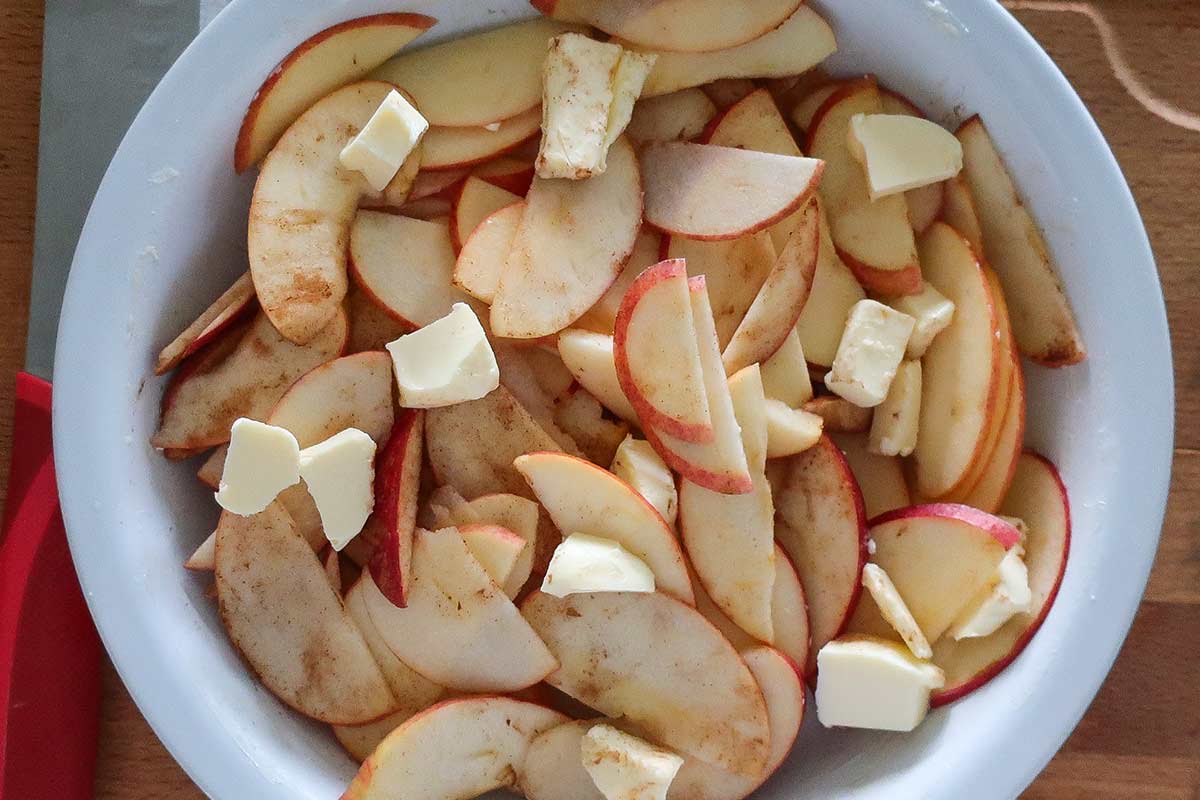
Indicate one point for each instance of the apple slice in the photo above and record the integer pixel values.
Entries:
(478, 79)
(233, 304)
(801, 42)
(390, 528)
(203, 558)
(785, 374)
(772, 316)
(497, 549)
(583, 498)
(1042, 319)
(413, 691)
(925, 202)
(581, 416)
(371, 327)
(509, 173)
(360, 741)
(336, 56)
(719, 465)
(671, 117)
(591, 358)
(873, 238)
(939, 556)
(441, 183)
(839, 414)
(958, 381)
(460, 748)
(707, 192)
(482, 256)
(834, 292)
(476, 200)
(822, 525)
(458, 629)
(287, 622)
(518, 515)
(620, 654)
(880, 478)
(728, 92)
(734, 270)
(519, 378)
(453, 148)
(1039, 497)
(994, 482)
(960, 213)
(405, 265)
(242, 373)
(435, 208)
(573, 241)
(806, 109)
(602, 317)
(657, 356)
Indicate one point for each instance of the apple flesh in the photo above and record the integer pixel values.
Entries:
(518, 515)
(581, 416)
(602, 317)
(371, 327)
(591, 358)
(959, 212)
(839, 414)
(671, 117)
(391, 525)
(880, 478)
(733, 269)
(233, 304)
(455, 148)
(476, 200)
(834, 292)
(481, 257)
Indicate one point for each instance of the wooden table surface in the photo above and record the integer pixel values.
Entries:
(1141, 737)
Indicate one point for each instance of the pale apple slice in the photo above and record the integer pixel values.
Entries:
(458, 629)
(839, 414)
(671, 117)
(602, 317)
(960, 213)
(707, 192)
(994, 482)
(734, 270)
(476, 200)
(210, 471)
(584, 498)
(785, 374)
(496, 548)
(411, 690)
(591, 358)
(687, 26)
(453, 148)
(772, 316)
(939, 556)
(241, 374)
(834, 292)
(880, 478)
(203, 558)
(572, 243)
(300, 214)
(477, 79)
(873, 238)
(441, 183)
(657, 355)
(232, 305)
(371, 327)
(360, 741)
(719, 465)
(289, 624)
(958, 387)
(405, 265)
(925, 202)
(581, 416)
(508, 172)
(801, 42)
(389, 530)
(1039, 497)
(460, 748)
(317, 66)
(518, 377)
(822, 525)
(806, 109)
(518, 515)
(1043, 323)
(482, 256)
(620, 654)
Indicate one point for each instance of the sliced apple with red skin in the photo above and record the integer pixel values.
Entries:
(320, 64)
(602, 317)
(822, 525)
(371, 327)
(509, 173)
(960, 213)
(802, 41)
(478, 79)
(518, 515)
(834, 292)
(880, 478)
(242, 373)
(458, 629)
(233, 304)
(924, 202)
(591, 358)
(460, 748)
(476, 200)
(619, 653)
(290, 626)
(454, 148)
(959, 389)
(709, 193)
(584, 498)
(481, 257)
(1043, 323)
(993, 485)
(873, 238)
(405, 265)
(772, 316)
(654, 328)
(719, 465)
(734, 270)
(671, 117)
(573, 241)
(939, 556)
(390, 528)
(1039, 497)
(806, 109)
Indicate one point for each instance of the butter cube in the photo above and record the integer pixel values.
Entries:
(894, 424)
(624, 767)
(448, 361)
(262, 461)
(584, 563)
(387, 139)
(865, 682)
(340, 474)
(901, 152)
(872, 347)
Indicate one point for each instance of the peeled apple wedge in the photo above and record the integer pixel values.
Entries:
(286, 621)
(320, 64)
(460, 748)
(234, 302)
(619, 653)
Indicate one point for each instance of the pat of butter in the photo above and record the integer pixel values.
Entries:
(624, 767)
(865, 682)
(387, 139)
(999, 603)
(262, 461)
(894, 424)
(933, 313)
(872, 347)
(901, 152)
(636, 463)
(627, 84)
(340, 474)
(448, 361)
(584, 563)
(893, 608)
(790, 430)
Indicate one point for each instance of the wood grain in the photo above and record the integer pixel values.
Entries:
(1141, 738)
